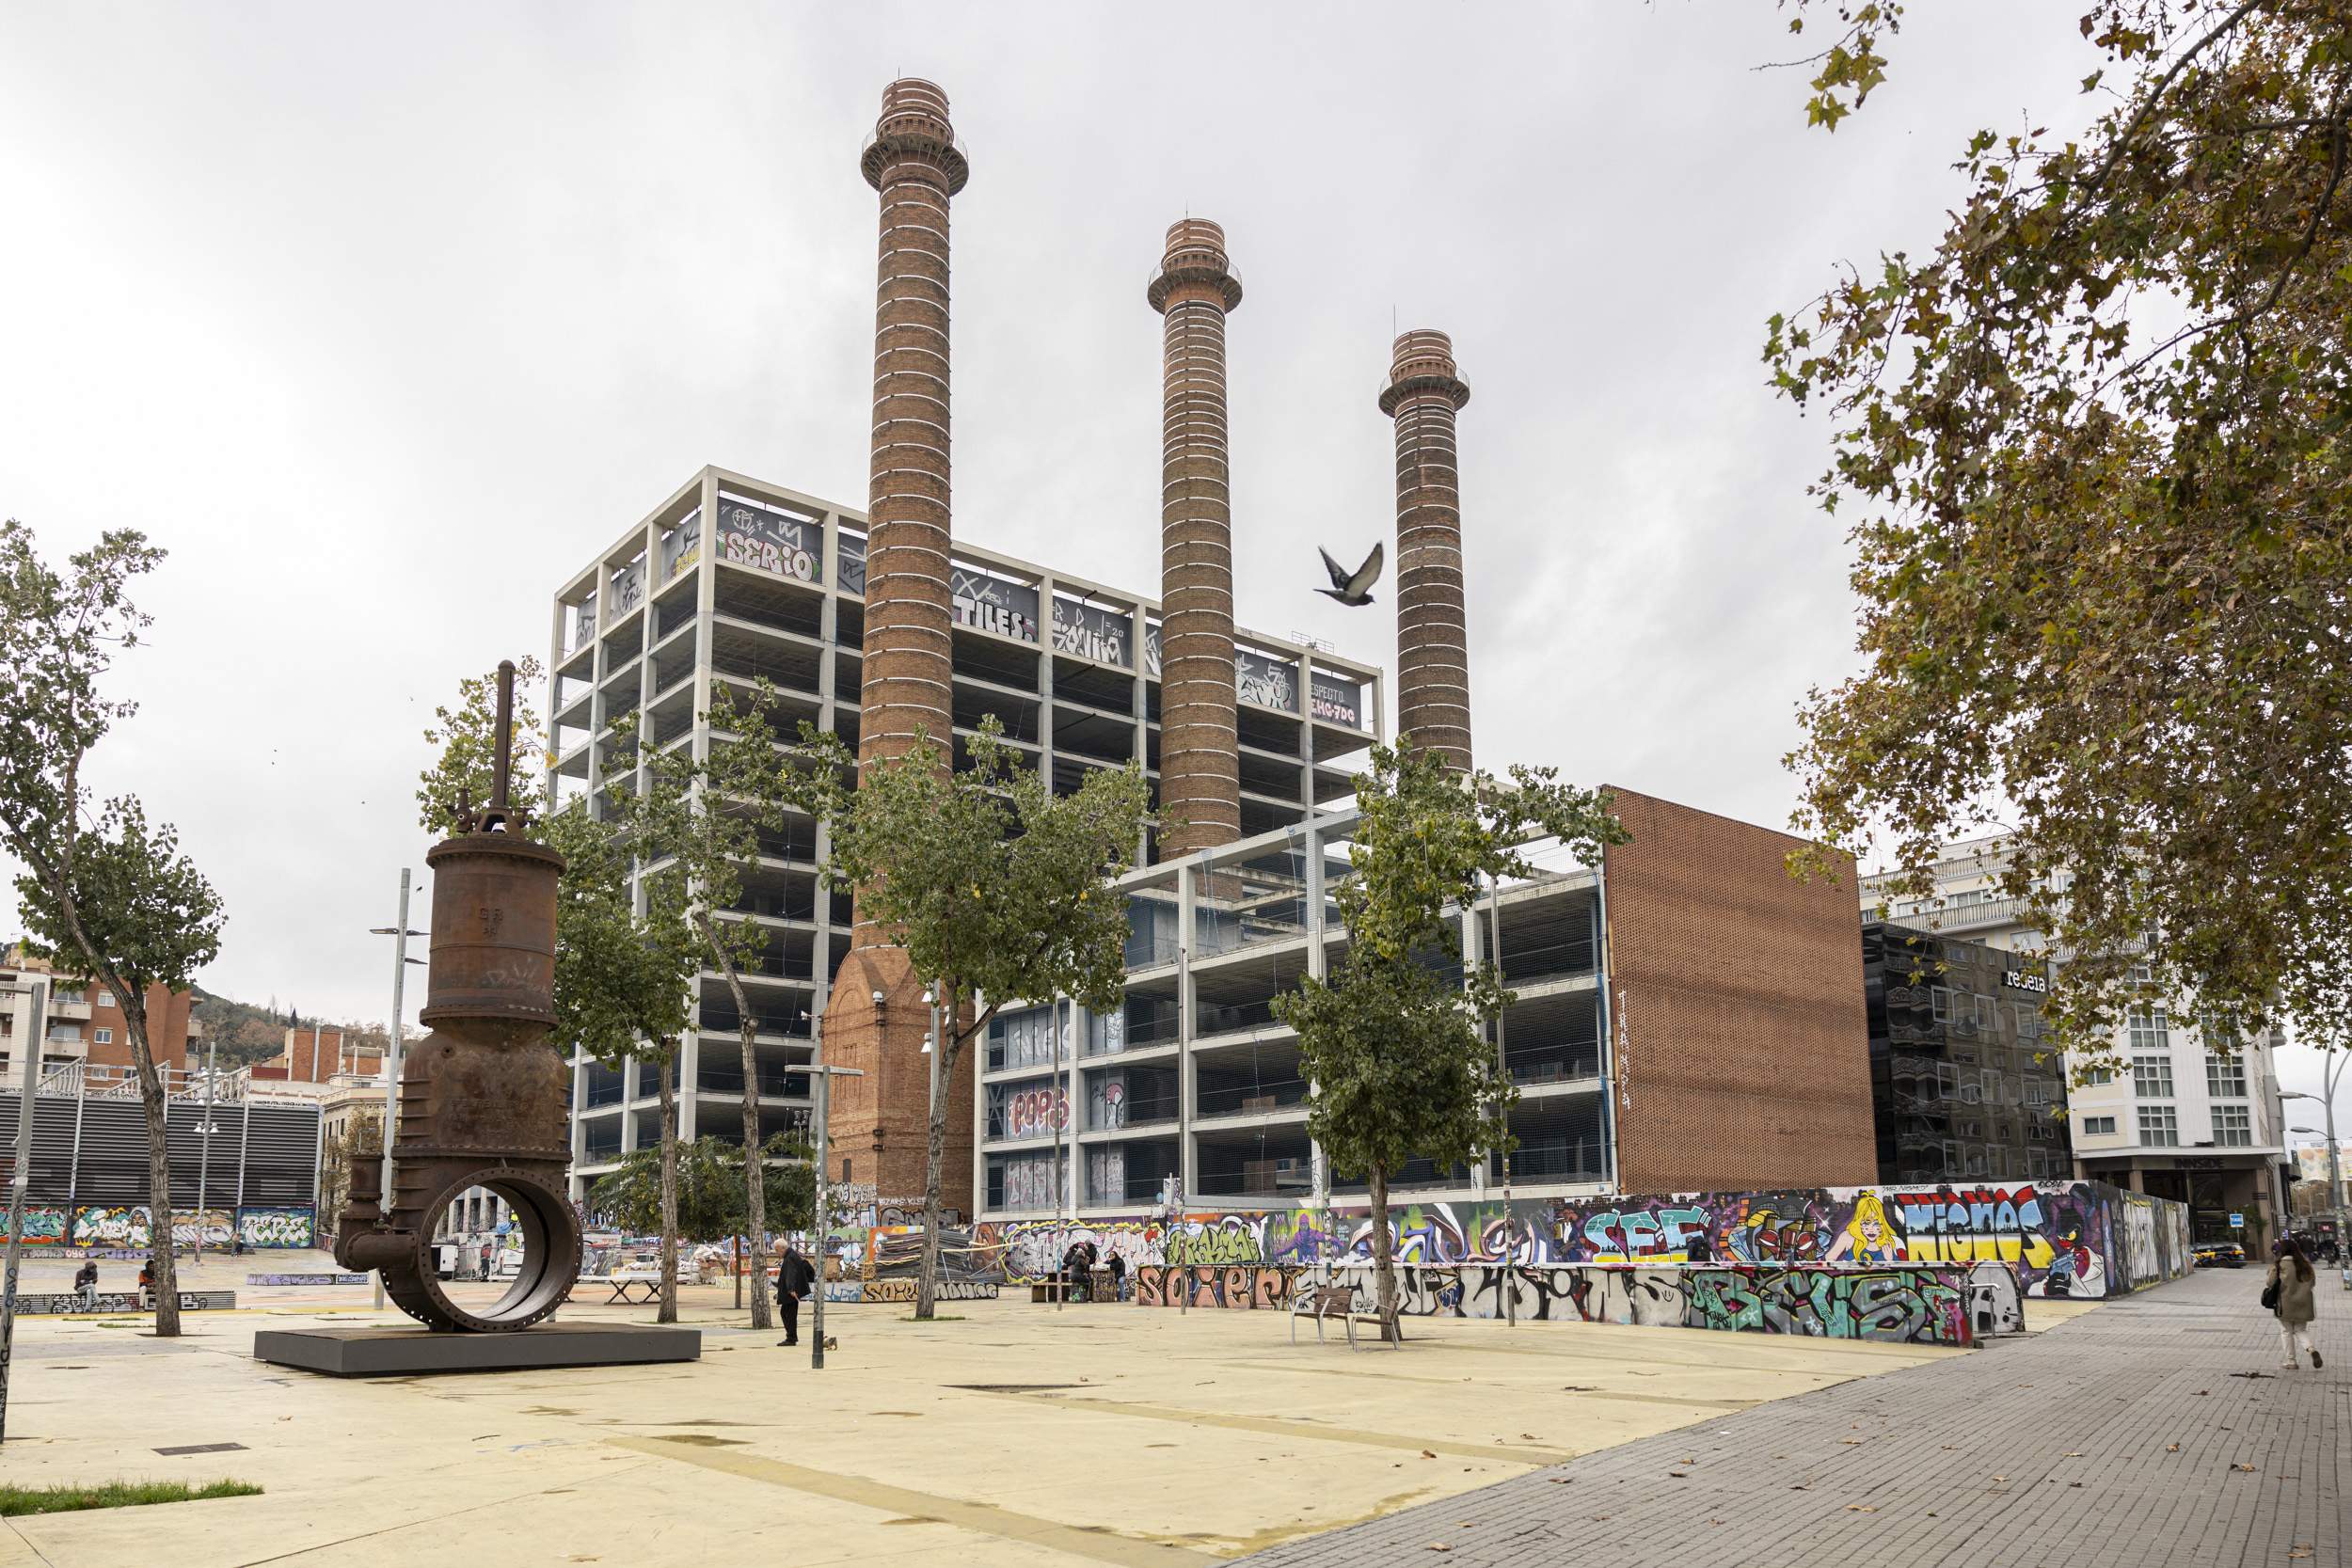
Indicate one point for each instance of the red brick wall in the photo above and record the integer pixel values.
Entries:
(166, 1028)
(1739, 1039)
(878, 1121)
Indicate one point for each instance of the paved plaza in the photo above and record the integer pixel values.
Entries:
(2156, 1430)
(1017, 1434)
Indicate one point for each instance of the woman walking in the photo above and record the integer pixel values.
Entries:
(2287, 1292)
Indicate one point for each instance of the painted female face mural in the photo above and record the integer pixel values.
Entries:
(1868, 1237)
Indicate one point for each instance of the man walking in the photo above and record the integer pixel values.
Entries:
(793, 1279)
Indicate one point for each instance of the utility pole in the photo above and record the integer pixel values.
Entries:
(1502, 1066)
(204, 1157)
(36, 1025)
(400, 933)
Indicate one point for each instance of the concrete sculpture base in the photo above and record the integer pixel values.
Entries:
(415, 1352)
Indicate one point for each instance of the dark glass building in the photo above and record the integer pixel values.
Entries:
(1956, 1090)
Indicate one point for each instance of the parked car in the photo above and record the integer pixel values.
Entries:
(2220, 1255)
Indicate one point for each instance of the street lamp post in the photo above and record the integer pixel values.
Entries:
(23, 1179)
(400, 933)
(825, 1076)
(2333, 1075)
(204, 1156)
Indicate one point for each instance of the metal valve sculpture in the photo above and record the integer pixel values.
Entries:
(482, 1098)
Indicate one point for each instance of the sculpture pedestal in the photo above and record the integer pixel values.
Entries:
(413, 1351)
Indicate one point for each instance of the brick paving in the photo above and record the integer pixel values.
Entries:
(2132, 1435)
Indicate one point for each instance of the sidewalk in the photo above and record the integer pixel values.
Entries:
(2157, 1430)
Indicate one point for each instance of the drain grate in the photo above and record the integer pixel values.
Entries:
(203, 1448)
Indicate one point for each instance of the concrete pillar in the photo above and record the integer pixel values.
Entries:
(1200, 767)
(1432, 625)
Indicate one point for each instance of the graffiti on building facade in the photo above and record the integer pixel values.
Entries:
(276, 1227)
(44, 1222)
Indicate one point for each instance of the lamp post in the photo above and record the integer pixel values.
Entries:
(2333, 1075)
(825, 1076)
(400, 933)
(23, 1179)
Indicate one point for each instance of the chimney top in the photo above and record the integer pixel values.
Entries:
(1196, 254)
(915, 124)
(1423, 361)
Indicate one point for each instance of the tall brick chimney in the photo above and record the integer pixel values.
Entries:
(1432, 630)
(1199, 763)
(880, 1120)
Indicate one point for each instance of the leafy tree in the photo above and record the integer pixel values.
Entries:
(115, 898)
(621, 981)
(996, 888)
(464, 770)
(1394, 1046)
(2093, 450)
(710, 1195)
(701, 820)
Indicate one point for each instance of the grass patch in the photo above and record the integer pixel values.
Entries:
(114, 1494)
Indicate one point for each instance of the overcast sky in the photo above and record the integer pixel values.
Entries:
(384, 321)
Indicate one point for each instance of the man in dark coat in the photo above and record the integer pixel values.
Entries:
(794, 1279)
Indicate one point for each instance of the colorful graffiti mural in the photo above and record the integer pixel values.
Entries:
(1242, 1287)
(122, 1301)
(2080, 1239)
(276, 1227)
(44, 1222)
(1901, 1303)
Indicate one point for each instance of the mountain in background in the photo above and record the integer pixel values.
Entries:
(244, 1034)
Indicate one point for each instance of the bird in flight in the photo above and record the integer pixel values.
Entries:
(1351, 588)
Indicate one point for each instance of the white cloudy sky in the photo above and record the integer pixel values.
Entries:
(384, 321)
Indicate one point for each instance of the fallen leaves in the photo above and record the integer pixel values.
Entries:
(2173, 1448)
(1428, 1454)
(1862, 1508)
(2247, 1469)
(1436, 1546)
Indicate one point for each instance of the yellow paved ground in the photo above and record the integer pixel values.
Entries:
(1015, 1435)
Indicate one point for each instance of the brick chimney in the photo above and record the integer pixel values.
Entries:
(879, 1121)
(1200, 766)
(1432, 630)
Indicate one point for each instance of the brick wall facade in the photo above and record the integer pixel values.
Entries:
(1740, 1039)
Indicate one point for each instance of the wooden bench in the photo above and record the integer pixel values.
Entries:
(1324, 1303)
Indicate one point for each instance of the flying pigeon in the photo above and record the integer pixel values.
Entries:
(1355, 589)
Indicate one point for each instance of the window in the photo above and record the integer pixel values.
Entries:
(2159, 1127)
(2148, 1029)
(2098, 1076)
(2225, 1077)
(103, 1037)
(2098, 1127)
(2152, 1077)
(106, 999)
(2234, 1126)
(1942, 998)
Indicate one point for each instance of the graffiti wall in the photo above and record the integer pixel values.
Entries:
(122, 1301)
(307, 1279)
(853, 1292)
(1897, 1304)
(276, 1227)
(1239, 1286)
(2080, 1239)
(44, 1225)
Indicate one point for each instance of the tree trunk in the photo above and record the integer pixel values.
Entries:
(668, 1069)
(754, 1169)
(158, 1163)
(927, 1288)
(1383, 1254)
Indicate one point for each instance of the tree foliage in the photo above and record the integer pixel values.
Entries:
(464, 770)
(115, 898)
(699, 820)
(621, 981)
(710, 1188)
(997, 888)
(1393, 1044)
(2093, 448)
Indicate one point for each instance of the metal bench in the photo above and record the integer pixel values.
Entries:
(1324, 1303)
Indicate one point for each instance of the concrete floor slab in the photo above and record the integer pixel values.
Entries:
(1015, 1433)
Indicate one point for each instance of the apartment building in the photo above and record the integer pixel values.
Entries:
(2183, 1120)
(731, 580)
(84, 1022)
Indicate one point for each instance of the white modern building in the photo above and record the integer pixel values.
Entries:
(2183, 1120)
(731, 579)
